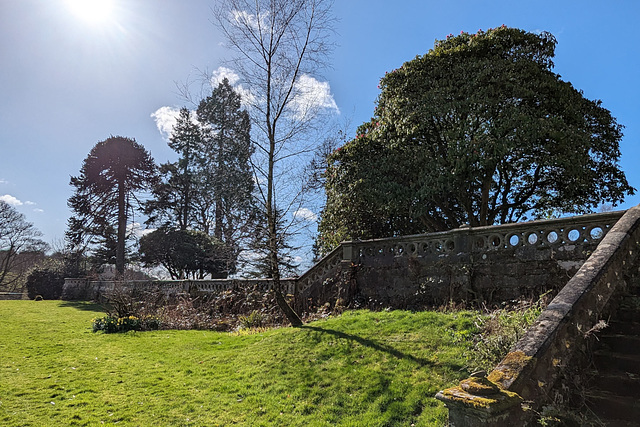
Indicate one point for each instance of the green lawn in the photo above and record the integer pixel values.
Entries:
(360, 369)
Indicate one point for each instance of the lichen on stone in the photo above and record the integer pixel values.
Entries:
(509, 368)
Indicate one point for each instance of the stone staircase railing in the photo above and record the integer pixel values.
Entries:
(555, 340)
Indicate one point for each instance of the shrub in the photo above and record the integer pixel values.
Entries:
(499, 330)
(252, 321)
(113, 324)
(45, 282)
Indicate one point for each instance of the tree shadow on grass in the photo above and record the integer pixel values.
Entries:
(83, 305)
(372, 344)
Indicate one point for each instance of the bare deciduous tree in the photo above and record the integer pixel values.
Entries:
(280, 47)
(17, 238)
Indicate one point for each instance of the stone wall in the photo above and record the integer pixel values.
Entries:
(85, 289)
(555, 341)
(11, 296)
(481, 264)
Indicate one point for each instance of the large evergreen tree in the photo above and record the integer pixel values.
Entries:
(479, 130)
(177, 196)
(228, 176)
(105, 196)
(209, 188)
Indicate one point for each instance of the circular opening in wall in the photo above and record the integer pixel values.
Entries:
(450, 245)
(480, 243)
(425, 248)
(400, 250)
(532, 238)
(369, 251)
(596, 233)
(495, 241)
(412, 248)
(514, 240)
(437, 246)
(552, 237)
(573, 235)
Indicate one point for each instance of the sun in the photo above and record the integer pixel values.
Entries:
(92, 11)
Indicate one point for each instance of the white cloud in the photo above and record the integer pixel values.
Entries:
(312, 94)
(305, 214)
(246, 19)
(165, 118)
(29, 203)
(11, 200)
(137, 230)
(221, 73)
(3, 181)
(38, 210)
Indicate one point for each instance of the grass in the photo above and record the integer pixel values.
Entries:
(360, 369)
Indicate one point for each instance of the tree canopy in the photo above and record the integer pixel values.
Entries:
(187, 254)
(479, 130)
(104, 200)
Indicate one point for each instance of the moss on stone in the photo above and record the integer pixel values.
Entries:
(479, 386)
(489, 404)
(509, 368)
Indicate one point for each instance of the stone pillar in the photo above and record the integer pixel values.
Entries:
(478, 402)
(347, 285)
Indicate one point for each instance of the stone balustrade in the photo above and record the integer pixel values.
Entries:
(557, 339)
(488, 264)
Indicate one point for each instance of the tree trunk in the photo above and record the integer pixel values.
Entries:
(274, 263)
(122, 229)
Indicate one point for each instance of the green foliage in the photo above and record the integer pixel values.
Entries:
(187, 253)
(46, 282)
(498, 331)
(254, 320)
(111, 324)
(360, 369)
(209, 188)
(479, 130)
(105, 195)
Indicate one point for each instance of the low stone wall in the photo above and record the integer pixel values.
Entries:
(85, 289)
(482, 264)
(554, 341)
(11, 296)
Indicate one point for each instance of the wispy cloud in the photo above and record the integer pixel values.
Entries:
(245, 19)
(221, 73)
(8, 198)
(38, 210)
(305, 214)
(312, 94)
(3, 181)
(29, 203)
(165, 118)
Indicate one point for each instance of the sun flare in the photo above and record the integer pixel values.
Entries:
(92, 11)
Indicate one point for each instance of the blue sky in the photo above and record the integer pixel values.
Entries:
(67, 82)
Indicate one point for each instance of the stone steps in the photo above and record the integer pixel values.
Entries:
(613, 409)
(613, 392)
(620, 342)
